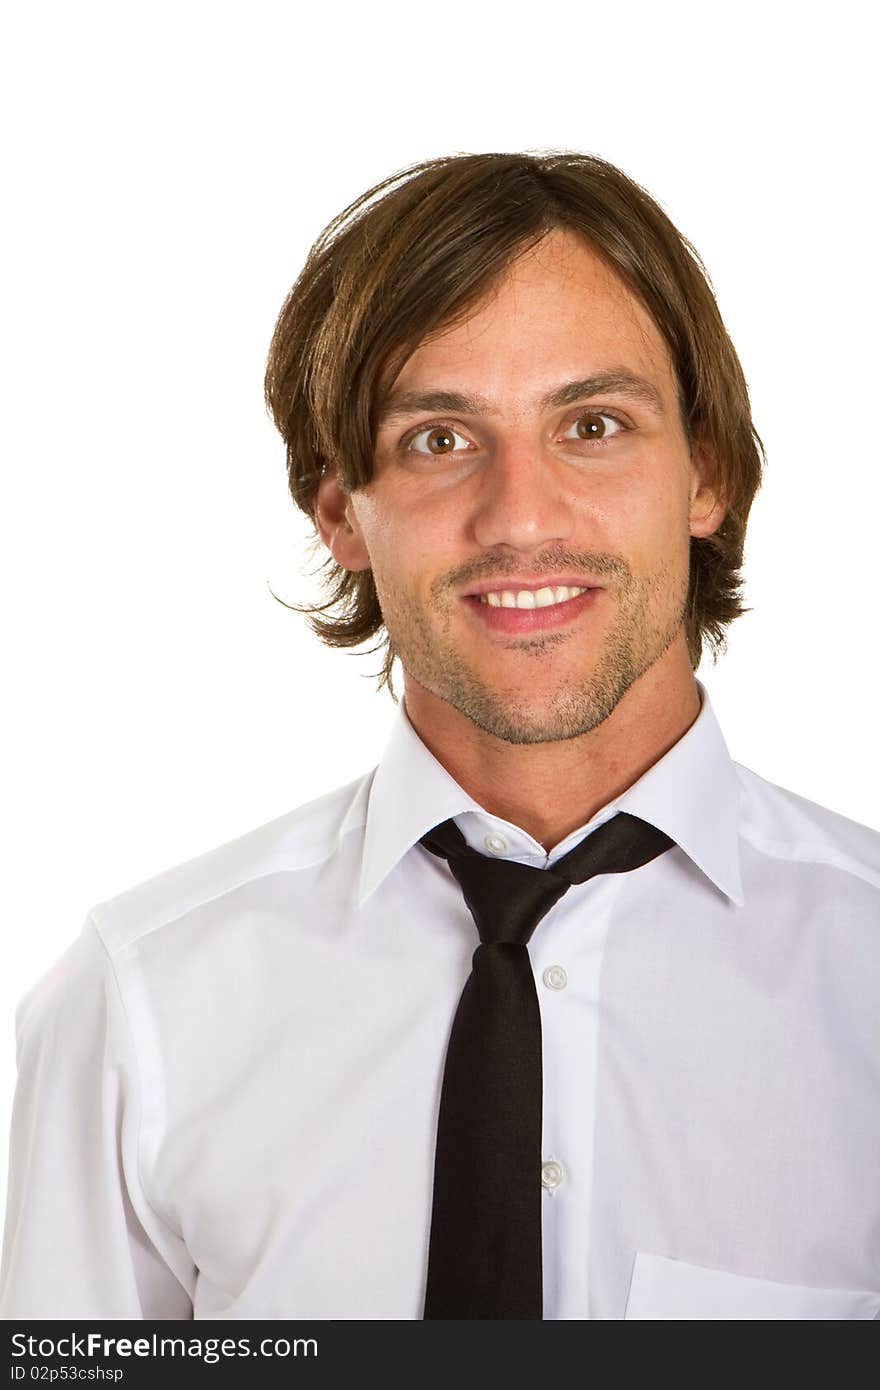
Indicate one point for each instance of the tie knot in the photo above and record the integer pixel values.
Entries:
(507, 900)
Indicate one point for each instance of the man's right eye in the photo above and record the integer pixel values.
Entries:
(439, 439)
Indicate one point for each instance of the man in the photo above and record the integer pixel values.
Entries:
(281, 1080)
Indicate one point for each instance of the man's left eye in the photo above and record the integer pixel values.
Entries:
(594, 424)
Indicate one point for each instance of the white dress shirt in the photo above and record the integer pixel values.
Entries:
(229, 1084)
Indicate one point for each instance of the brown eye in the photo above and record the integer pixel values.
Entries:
(440, 441)
(595, 426)
(591, 426)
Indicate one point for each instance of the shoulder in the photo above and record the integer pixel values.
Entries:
(293, 843)
(780, 824)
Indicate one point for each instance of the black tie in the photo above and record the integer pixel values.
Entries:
(484, 1259)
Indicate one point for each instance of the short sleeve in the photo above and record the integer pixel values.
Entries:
(81, 1238)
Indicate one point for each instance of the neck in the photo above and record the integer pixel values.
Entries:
(550, 789)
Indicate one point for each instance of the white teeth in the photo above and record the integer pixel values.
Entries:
(530, 598)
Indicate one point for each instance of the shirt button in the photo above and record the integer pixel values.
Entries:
(552, 1174)
(554, 977)
(495, 844)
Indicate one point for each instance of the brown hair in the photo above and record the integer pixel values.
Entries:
(415, 252)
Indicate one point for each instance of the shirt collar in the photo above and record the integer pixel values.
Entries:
(691, 793)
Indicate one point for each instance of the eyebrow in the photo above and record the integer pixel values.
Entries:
(618, 382)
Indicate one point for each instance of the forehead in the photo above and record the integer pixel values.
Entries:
(558, 312)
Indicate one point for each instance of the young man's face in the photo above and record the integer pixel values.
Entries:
(526, 489)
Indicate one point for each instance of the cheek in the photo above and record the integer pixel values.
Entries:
(663, 506)
(634, 514)
(645, 523)
(379, 532)
(393, 562)
(403, 541)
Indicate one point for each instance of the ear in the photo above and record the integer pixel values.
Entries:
(707, 505)
(337, 523)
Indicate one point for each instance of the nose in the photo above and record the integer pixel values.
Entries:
(523, 500)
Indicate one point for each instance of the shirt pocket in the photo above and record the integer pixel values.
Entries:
(663, 1288)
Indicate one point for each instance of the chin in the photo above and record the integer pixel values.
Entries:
(516, 730)
(520, 719)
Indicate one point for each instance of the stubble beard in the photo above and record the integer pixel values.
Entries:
(650, 613)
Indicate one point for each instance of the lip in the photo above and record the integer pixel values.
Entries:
(524, 620)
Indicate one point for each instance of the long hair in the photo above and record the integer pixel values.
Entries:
(417, 251)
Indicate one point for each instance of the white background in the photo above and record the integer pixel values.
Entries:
(166, 168)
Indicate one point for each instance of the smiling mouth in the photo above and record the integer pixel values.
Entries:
(547, 597)
(523, 611)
